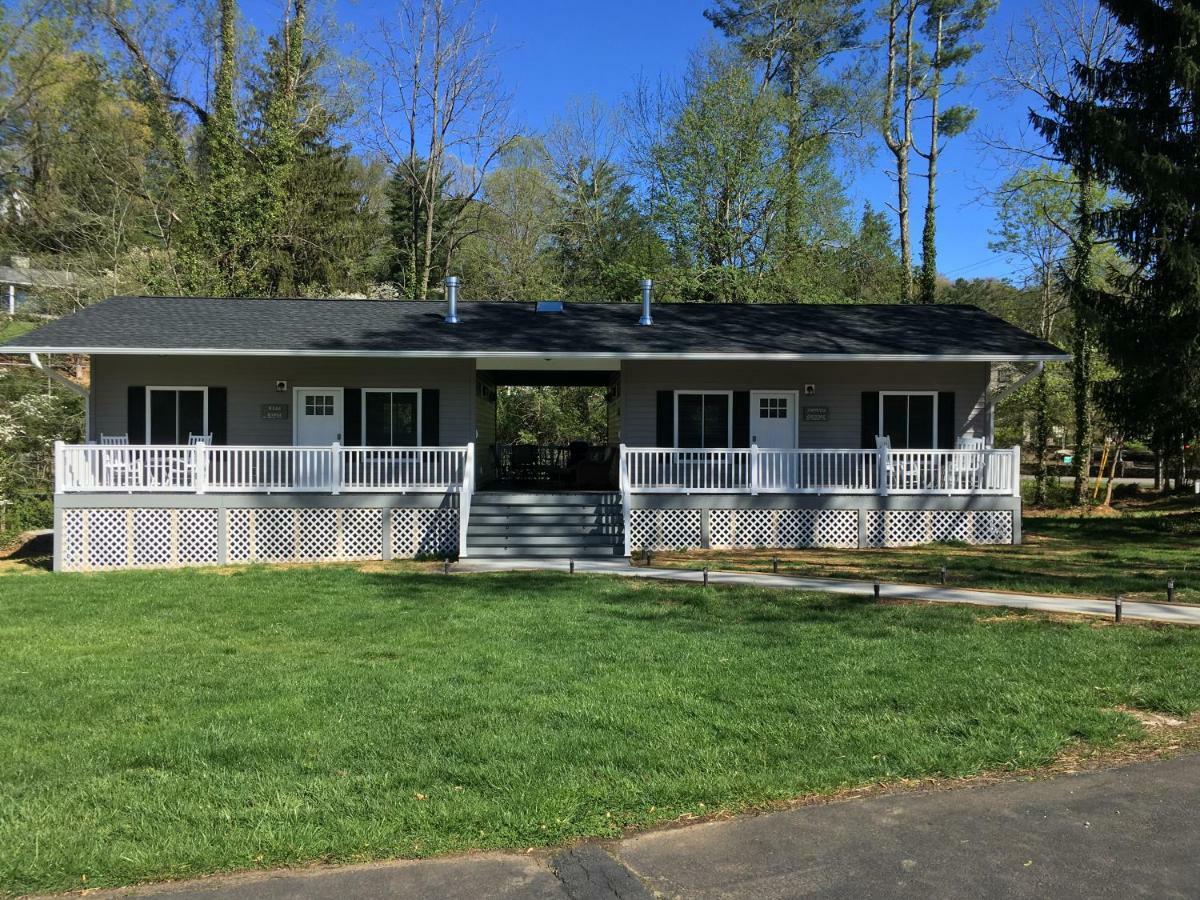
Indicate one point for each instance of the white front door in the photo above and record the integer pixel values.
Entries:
(318, 417)
(773, 419)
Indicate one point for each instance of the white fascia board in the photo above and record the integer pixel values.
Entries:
(712, 356)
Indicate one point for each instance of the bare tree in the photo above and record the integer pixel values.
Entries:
(1042, 60)
(441, 120)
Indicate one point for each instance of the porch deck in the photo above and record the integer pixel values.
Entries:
(144, 505)
(199, 469)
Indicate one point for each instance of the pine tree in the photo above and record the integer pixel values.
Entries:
(949, 26)
(1138, 132)
(798, 44)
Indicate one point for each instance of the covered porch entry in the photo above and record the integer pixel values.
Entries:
(547, 428)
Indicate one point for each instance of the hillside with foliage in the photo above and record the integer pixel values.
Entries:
(169, 147)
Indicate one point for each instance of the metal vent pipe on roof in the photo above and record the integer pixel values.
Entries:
(646, 319)
(451, 299)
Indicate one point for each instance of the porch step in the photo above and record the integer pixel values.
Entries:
(552, 498)
(545, 524)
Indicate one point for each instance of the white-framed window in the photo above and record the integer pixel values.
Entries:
(391, 417)
(175, 412)
(704, 418)
(909, 419)
(319, 405)
(773, 407)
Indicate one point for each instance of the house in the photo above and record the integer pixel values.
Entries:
(18, 279)
(225, 430)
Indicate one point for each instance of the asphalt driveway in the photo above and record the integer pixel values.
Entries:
(1127, 832)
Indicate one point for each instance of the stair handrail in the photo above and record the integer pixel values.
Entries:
(465, 492)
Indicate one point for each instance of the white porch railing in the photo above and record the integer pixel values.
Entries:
(761, 470)
(92, 468)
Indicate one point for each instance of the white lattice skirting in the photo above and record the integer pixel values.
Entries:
(908, 527)
(102, 539)
(783, 528)
(664, 529)
(680, 529)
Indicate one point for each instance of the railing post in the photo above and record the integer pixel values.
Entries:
(882, 476)
(464, 498)
(1016, 472)
(201, 477)
(60, 458)
(624, 482)
(754, 469)
(335, 468)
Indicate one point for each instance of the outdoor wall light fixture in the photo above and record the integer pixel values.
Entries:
(281, 386)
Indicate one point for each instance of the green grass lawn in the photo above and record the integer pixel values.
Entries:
(168, 724)
(1133, 552)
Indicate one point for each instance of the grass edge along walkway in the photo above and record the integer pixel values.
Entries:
(1173, 614)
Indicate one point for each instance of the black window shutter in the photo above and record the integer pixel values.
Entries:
(870, 418)
(135, 421)
(218, 414)
(947, 423)
(351, 417)
(665, 423)
(741, 418)
(431, 417)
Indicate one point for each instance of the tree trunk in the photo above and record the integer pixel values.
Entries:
(1081, 380)
(1112, 472)
(900, 144)
(929, 234)
(905, 147)
(1041, 438)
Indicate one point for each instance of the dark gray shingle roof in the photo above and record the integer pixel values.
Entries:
(176, 324)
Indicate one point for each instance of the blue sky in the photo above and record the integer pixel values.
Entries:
(553, 52)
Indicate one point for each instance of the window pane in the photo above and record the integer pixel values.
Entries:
(404, 419)
(691, 420)
(920, 422)
(191, 414)
(378, 419)
(895, 420)
(162, 417)
(716, 420)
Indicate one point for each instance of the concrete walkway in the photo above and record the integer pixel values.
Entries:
(1179, 614)
(1126, 832)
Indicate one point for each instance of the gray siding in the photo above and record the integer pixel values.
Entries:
(250, 382)
(838, 386)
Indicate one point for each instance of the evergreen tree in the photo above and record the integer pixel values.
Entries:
(872, 266)
(216, 251)
(798, 45)
(409, 204)
(1137, 131)
(325, 220)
